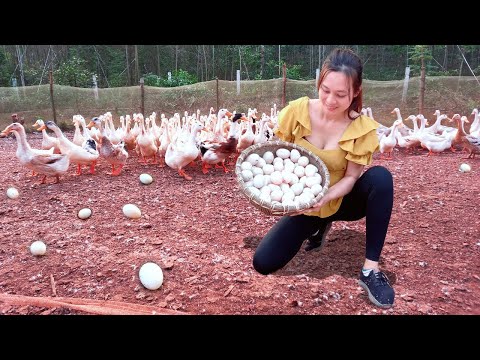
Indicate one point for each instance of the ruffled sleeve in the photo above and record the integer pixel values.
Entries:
(286, 123)
(293, 120)
(360, 140)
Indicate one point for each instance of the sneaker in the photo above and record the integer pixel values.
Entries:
(377, 286)
(318, 240)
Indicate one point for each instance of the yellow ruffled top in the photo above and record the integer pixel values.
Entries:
(357, 144)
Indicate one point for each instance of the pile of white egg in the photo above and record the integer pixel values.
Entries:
(284, 178)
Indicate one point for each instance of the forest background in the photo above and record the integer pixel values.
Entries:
(175, 65)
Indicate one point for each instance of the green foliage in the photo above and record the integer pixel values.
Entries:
(178, 78)
(6, 68)
(31, 75)
(73, 72)
(271, 70)
(151, 79)
(293, 72)
(416, 53)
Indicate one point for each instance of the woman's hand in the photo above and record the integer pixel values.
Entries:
(314, 208)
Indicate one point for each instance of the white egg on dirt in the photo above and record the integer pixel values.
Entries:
(131, 211)
(38, 248)
(465, 168)
(12, 193)
(84, 213)
(151, 275)
(146, 179)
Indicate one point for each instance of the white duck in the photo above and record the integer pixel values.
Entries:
(475, 127)
(181, 153)
(40, 161)
(388, 142)
(47, 141)
(86, 155)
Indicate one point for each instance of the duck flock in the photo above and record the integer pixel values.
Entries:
(436, 138)
(207, 140)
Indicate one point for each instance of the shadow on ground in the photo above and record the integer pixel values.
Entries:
(343, 255)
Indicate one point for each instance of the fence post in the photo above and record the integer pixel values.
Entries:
(142, 96)
(218, 102)
(238, 82)
(50, 77)
(284, 84)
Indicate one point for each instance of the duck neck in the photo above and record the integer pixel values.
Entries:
(22, 144)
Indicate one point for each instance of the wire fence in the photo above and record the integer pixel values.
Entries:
(448, 94)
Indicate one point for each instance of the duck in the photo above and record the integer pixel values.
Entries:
(388, 142)
(437, 145)
(475, 127)
(43, 162)
(470, 142)
(404, 129)
(86, 155)
(146, 143)
(47, 141)
(181, 153)
(216, 152)
(246, 138)
(78, 138)
(114, 154)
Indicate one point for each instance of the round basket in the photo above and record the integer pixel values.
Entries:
(277, 209)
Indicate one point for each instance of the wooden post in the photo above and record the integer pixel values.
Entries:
(142, 96)
(422, 86)
(218, 101)
(50, 76)
(284, 84)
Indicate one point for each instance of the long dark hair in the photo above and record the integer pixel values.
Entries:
(349, 63)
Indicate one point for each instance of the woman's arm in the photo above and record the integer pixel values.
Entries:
(341, 188)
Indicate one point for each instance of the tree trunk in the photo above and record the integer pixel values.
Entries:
(127, 59)
(262, 60)
(279, 67)
(137, 66)
(158, 61)
(422, 86)
(50, 80)
(213, 62)
(240, 59)
(176, 58)
(205, 60)
(445, 59)
(20, 63)
(246, 70)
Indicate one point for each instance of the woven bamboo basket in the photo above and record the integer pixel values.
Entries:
(278, 209)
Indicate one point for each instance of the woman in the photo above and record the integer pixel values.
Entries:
(332, 128)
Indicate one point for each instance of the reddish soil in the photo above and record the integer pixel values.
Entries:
(203, 234)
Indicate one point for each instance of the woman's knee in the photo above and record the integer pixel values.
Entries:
(260, 264)
(381, 177)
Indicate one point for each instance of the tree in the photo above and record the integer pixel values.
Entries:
(419, 55)
(73, 73)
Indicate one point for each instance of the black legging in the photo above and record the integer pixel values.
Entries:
(371, 197)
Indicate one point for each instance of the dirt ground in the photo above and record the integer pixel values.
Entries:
(203, 234)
